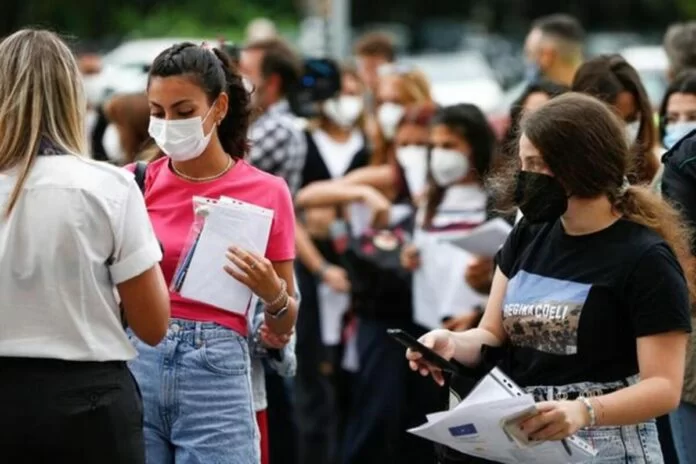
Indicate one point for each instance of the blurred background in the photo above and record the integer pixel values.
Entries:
(470, 49)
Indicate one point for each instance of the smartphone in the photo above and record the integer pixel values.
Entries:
(429, 355)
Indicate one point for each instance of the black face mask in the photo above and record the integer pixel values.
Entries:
(541, 198)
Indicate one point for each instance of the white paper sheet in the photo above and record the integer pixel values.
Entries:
(227, 223)
(332, 306)
(474, 427)
(485, 240)
(439, 287)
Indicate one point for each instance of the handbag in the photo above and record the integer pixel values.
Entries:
(380, 286)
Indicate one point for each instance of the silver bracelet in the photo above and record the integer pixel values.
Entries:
(590, 410)
(281, 295)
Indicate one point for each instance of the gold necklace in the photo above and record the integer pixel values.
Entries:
(230, 163)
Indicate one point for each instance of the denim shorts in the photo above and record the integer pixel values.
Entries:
(635, 444)
(196, 389)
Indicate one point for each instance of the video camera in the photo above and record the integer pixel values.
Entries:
(321, 80)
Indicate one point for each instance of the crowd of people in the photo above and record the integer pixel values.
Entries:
(587, 305)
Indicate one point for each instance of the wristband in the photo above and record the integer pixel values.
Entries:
(590, 410)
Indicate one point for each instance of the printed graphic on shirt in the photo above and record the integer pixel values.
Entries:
(544, 313)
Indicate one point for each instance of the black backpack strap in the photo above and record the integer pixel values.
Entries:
(140, 173)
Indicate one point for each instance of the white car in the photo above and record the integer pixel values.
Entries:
(651, 63)
(125, 68)
(461, 77)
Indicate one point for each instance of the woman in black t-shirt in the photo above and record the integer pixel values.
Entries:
(589, 292)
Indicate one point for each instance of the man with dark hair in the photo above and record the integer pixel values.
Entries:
(554, 49)
(373, 50)
(277, 143)
(680, 45)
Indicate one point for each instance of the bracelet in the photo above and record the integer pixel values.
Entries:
(590, 410)
(281, 294)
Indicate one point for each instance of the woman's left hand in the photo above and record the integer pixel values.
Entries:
(256, 272)
(556, 420)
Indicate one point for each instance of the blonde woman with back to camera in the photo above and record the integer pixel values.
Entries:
(70, 230)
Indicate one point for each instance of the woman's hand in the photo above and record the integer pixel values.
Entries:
(256, 272)
(463, 322)
(410, 259)
(479, 274)
(272, 340)
(556, 420)
(337, 278)
(440, 341)
(378, 204)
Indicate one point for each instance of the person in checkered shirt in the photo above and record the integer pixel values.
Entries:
(277, 143)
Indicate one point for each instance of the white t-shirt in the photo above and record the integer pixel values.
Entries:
(73, 217)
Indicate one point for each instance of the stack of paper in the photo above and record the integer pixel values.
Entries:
(439, 286)
(485, 240)
(476, 427)
(201, 275)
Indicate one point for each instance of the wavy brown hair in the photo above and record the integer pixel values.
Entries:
(582, 142)
(605, 77)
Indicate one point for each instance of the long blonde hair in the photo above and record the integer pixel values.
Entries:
(41, 97)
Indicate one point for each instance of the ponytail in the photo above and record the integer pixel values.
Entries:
(641, 205)
(235, 125)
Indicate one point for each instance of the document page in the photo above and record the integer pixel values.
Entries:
(245, 226)
(475, 427)
(485, 240)
(332, 306)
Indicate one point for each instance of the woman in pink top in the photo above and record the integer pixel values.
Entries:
(196, 383)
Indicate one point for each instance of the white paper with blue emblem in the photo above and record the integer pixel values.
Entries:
(474, 427)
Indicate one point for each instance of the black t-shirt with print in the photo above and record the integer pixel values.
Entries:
(575, 305)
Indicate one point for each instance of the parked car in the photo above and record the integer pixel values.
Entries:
(125, 68)
(652, 64)
(461, 77)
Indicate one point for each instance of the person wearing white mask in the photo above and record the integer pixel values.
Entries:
(461, 156)
(399, 88)
(613, 80)
(196, 383)
(336, 145)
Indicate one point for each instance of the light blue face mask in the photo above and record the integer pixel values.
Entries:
(676, 131)
(532, 72)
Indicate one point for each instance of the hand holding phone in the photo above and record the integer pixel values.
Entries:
(432, 356)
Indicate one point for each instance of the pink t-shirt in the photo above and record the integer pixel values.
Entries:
(169, 201)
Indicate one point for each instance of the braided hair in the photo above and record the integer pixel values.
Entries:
(214, 73)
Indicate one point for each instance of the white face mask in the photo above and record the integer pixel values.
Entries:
(388, 116)
(676, 131)
(180, 139)
(344, 110)
(112, 143)
(448, 166)
(632, 129)
(413, 159)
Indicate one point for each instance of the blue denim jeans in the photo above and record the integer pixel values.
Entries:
(196, 389)
(683, 422)
(634, 444)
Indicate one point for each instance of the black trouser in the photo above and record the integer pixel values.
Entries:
(315, 395)
(67, 411)
(388, 399)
